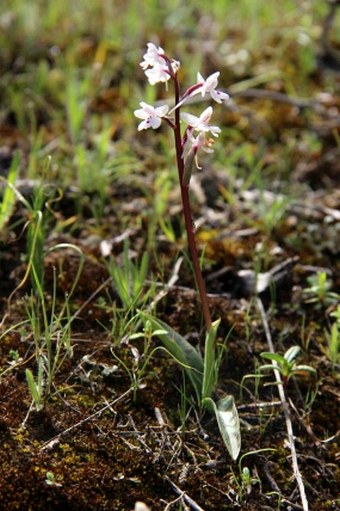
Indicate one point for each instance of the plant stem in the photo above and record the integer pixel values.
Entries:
(189, 225)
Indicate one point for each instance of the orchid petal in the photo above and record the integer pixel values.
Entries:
(190, 119)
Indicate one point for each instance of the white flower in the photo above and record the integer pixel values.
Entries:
(157, 66)
(201, 123)
(153, 56)
(151, 116)
(209, 86)
(158, 73)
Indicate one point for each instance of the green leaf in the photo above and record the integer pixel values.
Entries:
(33, 389)
(181, 350)
(209, 373)
(292, 353)
(273, 356)
(302, 369)
(228, 423)
(8, 200)
(268, 366)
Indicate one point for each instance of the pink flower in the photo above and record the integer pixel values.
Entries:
(209, 86)
(157, 74)
(153, 56)
(201, 123)
(152, 117)
(157, 66)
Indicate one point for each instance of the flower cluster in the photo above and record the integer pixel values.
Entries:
(160, 68)
(157, 66)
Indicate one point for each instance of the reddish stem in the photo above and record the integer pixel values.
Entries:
(189, 225)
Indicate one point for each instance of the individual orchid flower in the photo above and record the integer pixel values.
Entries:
(209, 86)
(201, 123)
(158, 73)
(152, 117)
(204, 86)
(153, 56)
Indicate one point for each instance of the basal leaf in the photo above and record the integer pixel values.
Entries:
(181, 350)
(228, 424)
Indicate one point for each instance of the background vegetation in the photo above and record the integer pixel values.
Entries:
(94, 413)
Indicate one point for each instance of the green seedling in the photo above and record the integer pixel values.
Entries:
(246, 478)
(77, 93)
(319, 291)
(333, 338)
(332, 351)
(336, 314)
(244, 483)
(36, 386)
(51, 331)
(129, 279)
(141, 358)
(51, 480)
(14, 355)
(286, 364)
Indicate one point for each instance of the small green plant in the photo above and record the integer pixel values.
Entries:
(77, 93)
(332, 351)
(51, 480)
(319, 291)
(286, 364)
(332, 335)
(246, 479)
(51, 332)
(14, 355)
(141, 357)
(36, 386)
(198, 137)
(129, 279)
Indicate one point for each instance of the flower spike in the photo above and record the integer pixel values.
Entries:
(157, 66)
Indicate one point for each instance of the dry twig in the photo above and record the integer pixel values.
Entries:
(285, 407)
(185, 496)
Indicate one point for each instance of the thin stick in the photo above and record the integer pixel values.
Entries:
(185, 496)
(285, 407)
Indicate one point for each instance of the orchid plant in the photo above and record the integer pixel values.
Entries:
(198, 136)
(158, 68)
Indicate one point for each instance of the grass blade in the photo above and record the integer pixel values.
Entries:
(8, 201)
